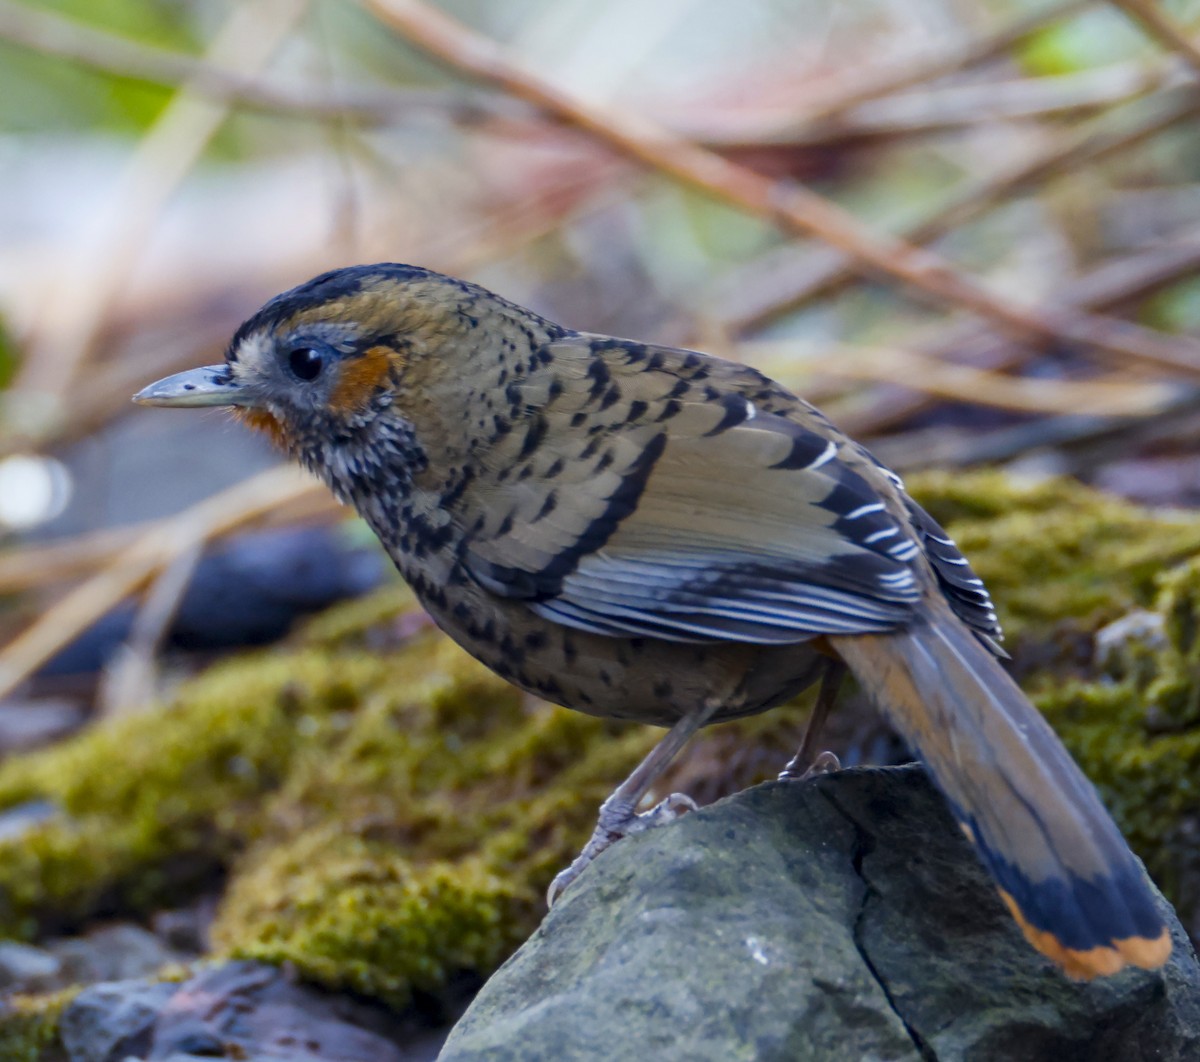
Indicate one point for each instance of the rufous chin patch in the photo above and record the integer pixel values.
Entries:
(261, 420)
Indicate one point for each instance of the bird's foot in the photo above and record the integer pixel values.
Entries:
(616, 821)
(825, 763)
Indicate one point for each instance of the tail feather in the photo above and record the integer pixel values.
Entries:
(1062, 867)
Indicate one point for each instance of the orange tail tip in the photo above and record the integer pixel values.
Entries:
(1101, 961)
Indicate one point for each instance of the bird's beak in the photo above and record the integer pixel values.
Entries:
(210, 386)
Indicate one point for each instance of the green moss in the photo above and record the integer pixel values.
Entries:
(388, 813)
(29, 1027)
(148, 804)
(354, 912)
(417, 843)
(1055, 555)
(367, 622)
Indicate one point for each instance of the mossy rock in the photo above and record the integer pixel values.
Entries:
(386, 814)
(29, 1027)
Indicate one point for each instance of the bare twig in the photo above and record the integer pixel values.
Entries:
(1159, 25)
(786, 203)
(42, 565)
(781, 287)
(164, 157)
(1100, 438)
(863, 86)
(1112, 284)
(129, 678)
(1116, 396)
(140, 561)
(64, 38)
(935, 110)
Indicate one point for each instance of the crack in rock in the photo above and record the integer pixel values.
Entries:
(864, 844)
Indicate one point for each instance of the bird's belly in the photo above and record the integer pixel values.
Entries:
(644, 680)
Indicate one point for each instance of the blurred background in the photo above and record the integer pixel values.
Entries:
(966, 228)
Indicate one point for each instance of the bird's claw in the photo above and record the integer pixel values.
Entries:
(825, 763)
(614, 824)
(666, 810)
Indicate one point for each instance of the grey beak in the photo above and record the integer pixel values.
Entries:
(209, 386)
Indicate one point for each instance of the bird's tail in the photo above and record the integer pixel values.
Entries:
(1061, 865)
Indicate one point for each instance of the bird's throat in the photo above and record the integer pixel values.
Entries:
(262, 420)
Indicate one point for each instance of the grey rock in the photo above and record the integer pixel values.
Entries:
(21, 819)
(109, 1022)
(119, 951)
(259, 1011)
(24, 968)
(842, 918)
(238, 1010)
(29, 724)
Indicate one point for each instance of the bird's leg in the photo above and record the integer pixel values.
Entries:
(804, 764)
(618, 814)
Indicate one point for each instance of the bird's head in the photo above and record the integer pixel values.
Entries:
(325, 358)
(340, 370)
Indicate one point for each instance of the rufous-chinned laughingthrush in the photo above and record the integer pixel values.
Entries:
(658, 535)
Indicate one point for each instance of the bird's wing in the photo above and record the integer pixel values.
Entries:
(964, 591)
(648, 491)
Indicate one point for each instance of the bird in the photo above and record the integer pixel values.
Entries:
(663, 536)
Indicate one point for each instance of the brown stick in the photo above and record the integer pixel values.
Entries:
(1163, 28)
(164, 157)
(65, 38)
(824, 271)
(786, 203)
(932, 110)
(140, 561)
(1115, 396)
(929, 68)
(1110, 285)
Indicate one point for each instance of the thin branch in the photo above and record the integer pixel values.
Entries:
(42, 564)
(63, 38)
(935, 110)
(787, 203)
(824, 270)
(138, 563)
(1100, 438)
(128, 681)
(1116, 396)
(164, 157)
(1159, 25)
(1111, 285)
(950, 60)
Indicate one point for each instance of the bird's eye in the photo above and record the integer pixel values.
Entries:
(306, 362)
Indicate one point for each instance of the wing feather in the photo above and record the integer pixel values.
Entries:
(682, 497)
